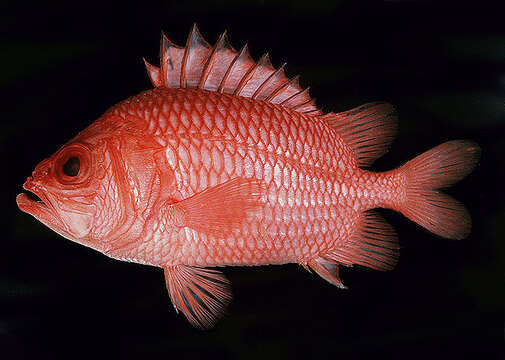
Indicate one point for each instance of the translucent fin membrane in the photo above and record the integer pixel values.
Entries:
(221, 208)
(367, 129)
(201, 294)
(327, 269)
(223, 69)
(438, 168)
(374, 245)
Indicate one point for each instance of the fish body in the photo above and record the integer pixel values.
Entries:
(228, 162)
(311, 190)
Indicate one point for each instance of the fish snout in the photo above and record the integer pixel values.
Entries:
(41, 170)
(29, 184)
(35, 186)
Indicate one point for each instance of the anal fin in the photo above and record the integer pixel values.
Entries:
(327, 269)
(201, 294)
(374, 244)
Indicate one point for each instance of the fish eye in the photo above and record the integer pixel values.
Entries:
(71, 166)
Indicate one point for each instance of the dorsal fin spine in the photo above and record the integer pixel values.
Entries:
(187, 50)
(312, 109)
(301, 107)
(272, 76)
(315, 111)
(298, 106)
(296, 81)
(249, 74)
(244, 49)
(154, 74)
(220, 68)
(210, 60)
(165, 45)
(280, 89)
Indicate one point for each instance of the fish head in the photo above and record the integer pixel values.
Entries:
(63, 189)
(92, 190)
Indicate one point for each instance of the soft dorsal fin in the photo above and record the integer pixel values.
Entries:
(223, 69)
(367, 129)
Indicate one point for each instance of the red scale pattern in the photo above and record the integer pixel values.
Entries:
(311, 199)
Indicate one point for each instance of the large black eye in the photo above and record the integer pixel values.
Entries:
(71, 166)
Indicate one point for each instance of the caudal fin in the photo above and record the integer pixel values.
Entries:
(438, 168)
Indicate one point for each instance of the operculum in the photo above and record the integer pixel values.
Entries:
(137, 176)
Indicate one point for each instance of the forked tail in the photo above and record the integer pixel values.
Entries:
(438, 168)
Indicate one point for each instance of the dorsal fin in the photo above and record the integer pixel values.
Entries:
(196, 53)
(367, 129)
(171, 62)
(223, 69)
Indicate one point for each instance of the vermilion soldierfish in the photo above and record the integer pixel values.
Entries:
(228, 162)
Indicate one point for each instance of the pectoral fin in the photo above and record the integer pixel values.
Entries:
(200, 294)
(220, 208)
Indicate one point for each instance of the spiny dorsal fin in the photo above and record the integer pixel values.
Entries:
(196, 53)
(223, 69)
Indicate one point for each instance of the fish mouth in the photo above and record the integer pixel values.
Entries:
(37, 204)
(31, 200)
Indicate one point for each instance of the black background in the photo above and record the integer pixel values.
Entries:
(441, 64)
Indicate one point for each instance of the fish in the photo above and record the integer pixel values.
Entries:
(228, 162)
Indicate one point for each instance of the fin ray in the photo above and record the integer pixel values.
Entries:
(255, 77)
(438, 168)
(201, 294)
(154, 74)
(263, 91)
(368, 129)
(223, 69)
(220, 58)
(374, 244)
(196, 53)
(171, 62)
(220, 208)
(327, 269)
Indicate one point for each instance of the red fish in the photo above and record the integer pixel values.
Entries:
(227, 162)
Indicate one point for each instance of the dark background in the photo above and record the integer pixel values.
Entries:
(442, 65)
